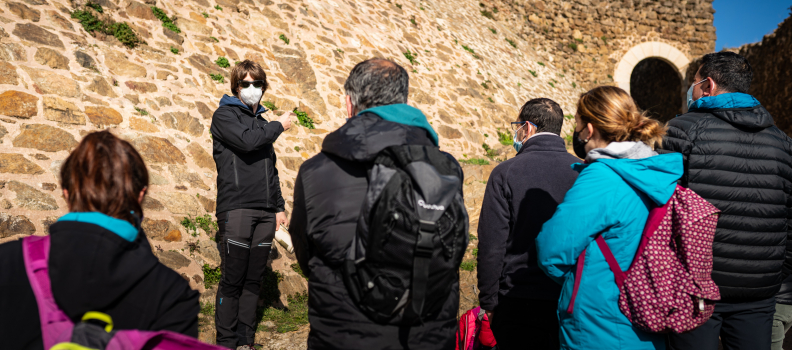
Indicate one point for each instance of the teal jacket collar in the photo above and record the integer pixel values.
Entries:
(725, 101)
(407, 115)
(122, 228)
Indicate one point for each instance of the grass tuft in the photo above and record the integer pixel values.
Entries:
(217, 77)
(167, 22)
(511, 42)
(410, 57)
(211, 276)
(120, 31)
(223, 62)
(304, 120)
(269, 105)
(475, 161)
(174, 50)
(469, 265)
(505, 138)
(284, 38)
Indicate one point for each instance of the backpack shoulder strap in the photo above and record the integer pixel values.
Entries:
(54, 322)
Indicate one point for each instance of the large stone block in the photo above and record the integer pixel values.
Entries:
(200, 156)
(62, 111)
(161, 230)
(12, 163)
(183, 122)
(8, 74)
(24, 12)
(36, 34)
(102, 87)
(136, 9)
(18, 104)
(103, 116)
(158, 150)
(30, 198)
(174, 260)
(119, 65)
(179, 203)
(52, 58)
(47, 82)
(11, 225)
(45, 138)
(141, 87)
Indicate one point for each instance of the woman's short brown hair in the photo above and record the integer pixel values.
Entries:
(613, 112)
(242, 69)
(105, 174)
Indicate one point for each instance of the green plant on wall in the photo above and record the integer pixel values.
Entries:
(284, 38)
(505, 138)
(222, 62)
(304, 120)
(167, 22)
(120, 31)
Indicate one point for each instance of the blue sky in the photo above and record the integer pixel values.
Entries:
(739, 22)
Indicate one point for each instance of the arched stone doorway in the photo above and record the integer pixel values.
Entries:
(655, 86)
(652, 73)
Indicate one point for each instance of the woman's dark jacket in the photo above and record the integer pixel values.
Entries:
(245, 159)
(328, 196)
(94, 269)
(738, 160)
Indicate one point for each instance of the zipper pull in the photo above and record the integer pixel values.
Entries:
(701, 305)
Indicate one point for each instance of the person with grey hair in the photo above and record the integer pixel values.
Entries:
(328, 195)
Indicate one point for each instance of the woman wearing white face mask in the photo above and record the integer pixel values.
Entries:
(249, 202)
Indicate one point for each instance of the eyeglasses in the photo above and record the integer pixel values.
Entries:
(258, 84)
(517, 125)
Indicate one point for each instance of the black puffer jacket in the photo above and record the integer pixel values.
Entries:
(328, 196)
(741, 163)
(245, 159)
(93, 269)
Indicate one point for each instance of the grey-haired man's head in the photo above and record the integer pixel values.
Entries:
(375, 82)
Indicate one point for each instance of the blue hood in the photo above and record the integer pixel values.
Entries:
(655, 176)
(233, 101)
(405, 114)
(120, 227)
(724, 101)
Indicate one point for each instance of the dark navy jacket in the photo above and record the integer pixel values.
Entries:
(522, 193)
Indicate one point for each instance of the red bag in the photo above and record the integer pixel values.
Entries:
(668, 286)
(474, 330)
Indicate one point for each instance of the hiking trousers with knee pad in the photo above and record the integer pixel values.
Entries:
(244, 240)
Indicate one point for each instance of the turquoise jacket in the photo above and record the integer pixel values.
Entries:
(611, 197)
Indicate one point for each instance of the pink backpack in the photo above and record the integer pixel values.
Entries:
(57, 329)
(474, 331)
(668, 286)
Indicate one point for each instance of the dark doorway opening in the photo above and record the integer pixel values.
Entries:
(655, 86)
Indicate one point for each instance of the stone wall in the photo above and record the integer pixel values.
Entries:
(772, 68)
(59, 82)
(588, 38)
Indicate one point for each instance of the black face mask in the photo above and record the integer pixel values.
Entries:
(578, 145)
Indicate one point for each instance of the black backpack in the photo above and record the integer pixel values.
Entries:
(412, 229)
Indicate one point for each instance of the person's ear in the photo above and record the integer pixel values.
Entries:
(66, 194)
(530, 131)
(140, 196)
(711, 89)
(349, 107)
(590, 128)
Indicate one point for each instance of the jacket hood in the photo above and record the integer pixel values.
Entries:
(736, 108)
(405, 114)
(643, 169)
(93, 264)
(234, 101)
(365, 135)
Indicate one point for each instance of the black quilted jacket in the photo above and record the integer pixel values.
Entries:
(741, 162)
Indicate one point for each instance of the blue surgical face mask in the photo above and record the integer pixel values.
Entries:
(518, 144)
(690, 94)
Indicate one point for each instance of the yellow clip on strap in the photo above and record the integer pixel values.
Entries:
(69, 346)
(95, 315)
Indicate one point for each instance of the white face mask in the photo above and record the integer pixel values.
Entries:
(251, 95)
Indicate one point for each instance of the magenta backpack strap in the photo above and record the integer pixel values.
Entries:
(578, 275)
(54, 322)
(618, 274)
